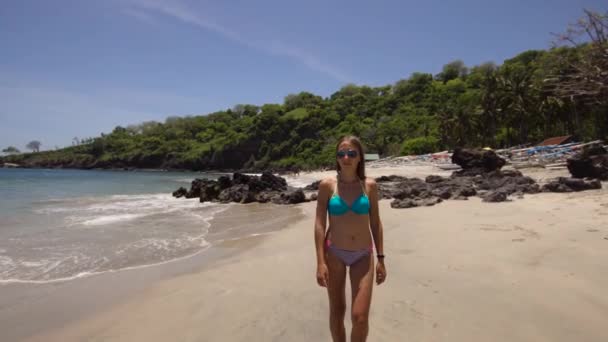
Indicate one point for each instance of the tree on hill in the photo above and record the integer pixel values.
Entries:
(453, 70)
(586, 75)
(34, 145)
(11, 150)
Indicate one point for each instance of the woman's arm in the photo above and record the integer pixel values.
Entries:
(375, 222)
(321, 219)
(377, 230)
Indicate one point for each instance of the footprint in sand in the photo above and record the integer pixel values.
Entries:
(454, 268)
(490, 227)
(424, 284)
(518, 240)
(592, 230)
(527, 232)
(399, 306)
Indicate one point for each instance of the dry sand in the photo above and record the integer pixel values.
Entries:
(534, 269)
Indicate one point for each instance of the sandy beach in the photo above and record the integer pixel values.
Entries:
(531, 269)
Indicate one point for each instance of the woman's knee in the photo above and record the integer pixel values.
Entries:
(360, 317)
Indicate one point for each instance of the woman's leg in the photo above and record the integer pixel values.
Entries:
(337, 298)
(361, 281)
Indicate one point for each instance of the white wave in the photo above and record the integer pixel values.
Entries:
(121, 208)
(169, 244)
(33, 263)
(98, 221)
(218, 208)
(89, 274)
(123, 203)
(114, 213)
(53, 264)
(182, 180)
(6, 262)
(63, 264)
(244, 237)
(298, 182)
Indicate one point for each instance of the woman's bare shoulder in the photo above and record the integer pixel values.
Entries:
(370, 182)
(327, 183)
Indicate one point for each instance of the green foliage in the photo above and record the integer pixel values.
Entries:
(297, 114)
(421, 145)
(452, 71)
(11, 150)
(302, 100)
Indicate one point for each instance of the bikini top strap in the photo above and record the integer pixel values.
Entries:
(362, 182)
(336, 185)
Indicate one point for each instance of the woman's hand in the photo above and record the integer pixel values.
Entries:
(380, 272)
(322, 275)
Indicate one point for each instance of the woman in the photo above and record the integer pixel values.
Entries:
(350, 201)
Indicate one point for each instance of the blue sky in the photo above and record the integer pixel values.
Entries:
(77, 68)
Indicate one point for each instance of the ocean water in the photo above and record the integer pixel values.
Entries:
(57, 225)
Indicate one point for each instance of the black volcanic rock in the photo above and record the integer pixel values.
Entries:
(243, 188)
(476, 159)
(590, 163)
(564, 184)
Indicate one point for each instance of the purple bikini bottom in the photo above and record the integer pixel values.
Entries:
(349, 257)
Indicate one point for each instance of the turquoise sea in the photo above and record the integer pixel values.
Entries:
(58, 225)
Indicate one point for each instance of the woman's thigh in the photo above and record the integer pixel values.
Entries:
(337, 280)
(362, 281)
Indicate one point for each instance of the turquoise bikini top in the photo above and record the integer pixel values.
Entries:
(337, 206)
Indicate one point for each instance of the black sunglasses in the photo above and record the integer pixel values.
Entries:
(350, 153)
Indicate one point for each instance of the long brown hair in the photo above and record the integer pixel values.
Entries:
(357, 143)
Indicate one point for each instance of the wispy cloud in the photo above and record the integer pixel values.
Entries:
(139, 15)
(187, 15)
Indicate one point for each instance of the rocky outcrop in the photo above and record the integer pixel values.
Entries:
(564, 184)
(243, 188)
(590, 163)
(493, 186)
(476, 161)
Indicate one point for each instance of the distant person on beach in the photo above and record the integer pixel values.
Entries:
(350, 202)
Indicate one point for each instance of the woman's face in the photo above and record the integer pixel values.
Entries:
(348, 155)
